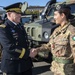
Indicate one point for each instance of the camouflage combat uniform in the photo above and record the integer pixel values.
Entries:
(62, 46)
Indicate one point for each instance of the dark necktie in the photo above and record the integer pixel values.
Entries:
(19, 26)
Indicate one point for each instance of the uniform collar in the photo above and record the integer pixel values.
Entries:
(66, 25)
(12, 24)
(64, 28)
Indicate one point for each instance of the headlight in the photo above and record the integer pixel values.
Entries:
(46, 36)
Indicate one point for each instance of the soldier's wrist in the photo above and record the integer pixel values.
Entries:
(37, 49)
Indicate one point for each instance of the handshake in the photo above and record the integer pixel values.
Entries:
(33, 52)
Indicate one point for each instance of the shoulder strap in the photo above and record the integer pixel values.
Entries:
(68, 32)
(2, 26)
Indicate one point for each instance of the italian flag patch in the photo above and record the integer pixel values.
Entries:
(73, 38)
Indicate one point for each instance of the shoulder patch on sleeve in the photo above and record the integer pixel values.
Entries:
(2, 26)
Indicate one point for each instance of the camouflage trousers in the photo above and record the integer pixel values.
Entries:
(62, 69)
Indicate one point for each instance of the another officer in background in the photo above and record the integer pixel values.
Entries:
(13, 38)
(62, 43)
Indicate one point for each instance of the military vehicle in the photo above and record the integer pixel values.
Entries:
(40, 30)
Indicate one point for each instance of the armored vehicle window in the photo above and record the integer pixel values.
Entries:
(51, 12)
(25, 19)
(72, 8)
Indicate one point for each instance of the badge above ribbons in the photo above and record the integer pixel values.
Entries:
(24, 7)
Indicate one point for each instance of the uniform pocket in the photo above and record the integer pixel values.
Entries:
(11, 65)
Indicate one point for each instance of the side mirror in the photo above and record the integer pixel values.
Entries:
(24, 7)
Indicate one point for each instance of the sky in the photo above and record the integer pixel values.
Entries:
(30, 2)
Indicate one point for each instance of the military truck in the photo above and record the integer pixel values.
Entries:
(40, 30)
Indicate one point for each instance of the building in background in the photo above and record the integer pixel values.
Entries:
(36, 8)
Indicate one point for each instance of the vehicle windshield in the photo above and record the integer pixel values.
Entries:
(72, 8)
(51, 12)
(25, 19)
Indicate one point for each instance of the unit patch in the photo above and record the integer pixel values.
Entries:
(73, 38)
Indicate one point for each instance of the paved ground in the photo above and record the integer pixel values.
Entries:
(41, 68)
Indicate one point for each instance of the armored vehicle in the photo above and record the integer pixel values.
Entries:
(40, 30)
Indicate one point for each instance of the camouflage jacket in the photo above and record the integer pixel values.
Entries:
(62, 42)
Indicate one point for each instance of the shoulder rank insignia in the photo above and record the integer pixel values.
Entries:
(73, 38)
(2, 26)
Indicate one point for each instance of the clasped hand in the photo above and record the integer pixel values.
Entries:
(33, 53)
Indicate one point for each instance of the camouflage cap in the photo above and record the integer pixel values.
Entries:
(61, 6)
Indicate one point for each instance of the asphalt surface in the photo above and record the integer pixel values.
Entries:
(41, 68)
